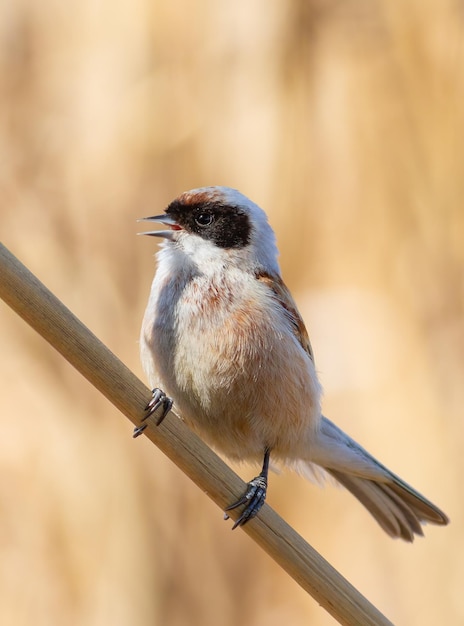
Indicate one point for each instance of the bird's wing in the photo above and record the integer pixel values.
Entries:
(284, 297)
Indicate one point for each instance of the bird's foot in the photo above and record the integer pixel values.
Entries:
(158, 400)
(254, 498)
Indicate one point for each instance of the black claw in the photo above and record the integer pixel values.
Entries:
(138, 430)
(254, 498)
(158, 400)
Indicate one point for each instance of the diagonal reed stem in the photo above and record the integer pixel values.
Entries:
(50, 318)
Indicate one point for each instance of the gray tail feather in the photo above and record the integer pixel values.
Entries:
(393, 505)
(398, 508)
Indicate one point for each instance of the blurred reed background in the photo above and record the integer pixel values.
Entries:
(345, 121)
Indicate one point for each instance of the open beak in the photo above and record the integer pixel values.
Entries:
(161, 219)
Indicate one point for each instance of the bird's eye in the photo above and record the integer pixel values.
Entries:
(204, 219)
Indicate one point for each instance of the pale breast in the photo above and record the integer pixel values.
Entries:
(227, 354)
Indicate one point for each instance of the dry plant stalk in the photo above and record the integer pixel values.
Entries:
(30, 299)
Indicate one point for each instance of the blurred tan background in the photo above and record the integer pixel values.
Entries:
(345, 121)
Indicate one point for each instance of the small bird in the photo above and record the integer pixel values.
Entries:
(222, 336)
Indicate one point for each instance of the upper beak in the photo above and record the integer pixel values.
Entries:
(161, 219)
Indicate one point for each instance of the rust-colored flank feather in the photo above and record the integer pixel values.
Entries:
(283, 295)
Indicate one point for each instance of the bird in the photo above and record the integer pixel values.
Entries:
(222, 337)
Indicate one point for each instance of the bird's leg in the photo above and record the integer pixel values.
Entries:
(157, 400)
(254, 495)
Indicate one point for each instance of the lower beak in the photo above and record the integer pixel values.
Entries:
(161, 219)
